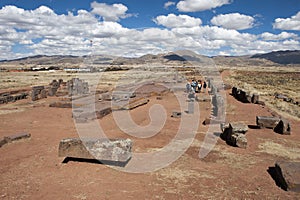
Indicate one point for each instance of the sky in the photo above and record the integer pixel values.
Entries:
(137, 27)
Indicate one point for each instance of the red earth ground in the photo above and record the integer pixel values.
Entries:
(31, 168)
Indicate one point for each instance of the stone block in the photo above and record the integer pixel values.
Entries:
(283, 127)
(238, 127)
(176, 114)
(102, 113)
(255, 98)
(234, 91)
(117, 150)
(234, 134)
(267, 122)
(3, 141)
(287, 175)
(238, 140)
(18, 136)
(61, 104)
(123, 105)
(190, 107)
(208, 121)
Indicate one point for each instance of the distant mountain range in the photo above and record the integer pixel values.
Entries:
(281, 57)
(179, 57)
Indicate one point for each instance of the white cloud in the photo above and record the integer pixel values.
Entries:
(234, 21)
(292, 23)
(282, 36)
(168, 4)
(42, 31)
(113, 12)
(200, 5)
(172, 21)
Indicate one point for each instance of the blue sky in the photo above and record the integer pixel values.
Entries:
(137, 27)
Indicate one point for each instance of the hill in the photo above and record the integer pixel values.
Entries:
(281, 57)
(183, 57)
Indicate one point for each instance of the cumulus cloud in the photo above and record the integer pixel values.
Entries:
(168, 4)
(113, 12)
(43, 31)
(234, 21)
(172, 21)
(200, 5)
(292, 23)
(282, 36)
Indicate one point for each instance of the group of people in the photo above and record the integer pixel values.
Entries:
(196, 86)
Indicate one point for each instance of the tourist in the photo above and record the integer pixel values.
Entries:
(204, 86)
(188, 87)
(199, 85)
(194, 85)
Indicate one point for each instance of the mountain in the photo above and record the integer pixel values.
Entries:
(281, 57)
(182, 57)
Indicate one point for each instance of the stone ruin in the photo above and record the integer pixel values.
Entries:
(176, 114)
(287, 99)
(54, 86)
(12, 138)
(278, 125)
(77, 86)
(38, 92)
(116, 150)
(7, 97)
(234, 134)
(286, 175)
(245, 97)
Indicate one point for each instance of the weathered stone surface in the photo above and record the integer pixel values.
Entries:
(238, 127)
(61, 104)
(77, 86)
(102, 113)
(255, 98)
(218, 105)
(283, 127)
(234, 134)
(122, 95)
(37, 93)
(176, 114)
(123, 105)
(238, 140)
(288, 175)
(267, 122)
(7, 97)
(117, 150)
(208, 121)
(18, 136)
(190, 107)
(3, 141)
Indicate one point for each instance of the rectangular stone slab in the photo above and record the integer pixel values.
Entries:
(267, 122)
(117, 150)
(288, 175)
(124, 105)
(18, 136)
(238, 127)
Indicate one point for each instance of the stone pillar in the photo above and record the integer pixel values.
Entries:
(191, 107)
